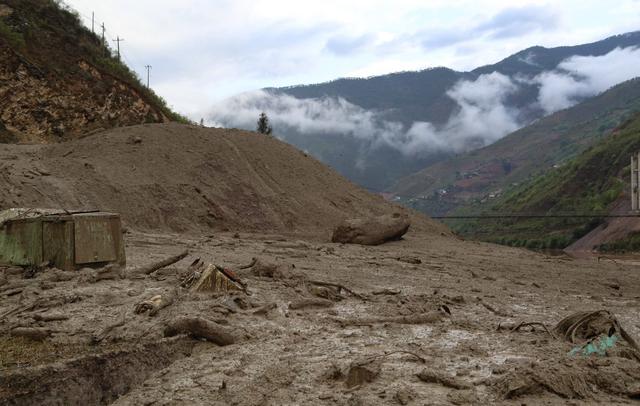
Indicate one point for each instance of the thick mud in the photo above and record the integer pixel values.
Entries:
(425, 320)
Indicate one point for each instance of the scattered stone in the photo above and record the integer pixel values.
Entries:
(431, 376)
(410, 260)
(372, 231)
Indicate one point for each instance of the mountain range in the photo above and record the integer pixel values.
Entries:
(481, 175)
(379, 130)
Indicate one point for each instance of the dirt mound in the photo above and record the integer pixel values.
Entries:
(186, 178)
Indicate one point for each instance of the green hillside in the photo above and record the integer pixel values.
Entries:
(590, 183)
(475, 178)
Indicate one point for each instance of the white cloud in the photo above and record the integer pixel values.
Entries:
(217, 48)
(583, 76)
(482, 117)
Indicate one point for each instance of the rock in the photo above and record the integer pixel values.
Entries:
(403, 396)
(410, 259)
(434, 376)
(373, 230)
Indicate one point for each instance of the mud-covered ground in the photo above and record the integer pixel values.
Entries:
(103, 352)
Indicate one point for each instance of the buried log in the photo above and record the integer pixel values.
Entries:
(50, 317)
(201, 328)
(304, 303)
(33, 333)
(338, 286)
(151, 268)
(265, 309)
(422, 318)
(373, 230)
(430, 376)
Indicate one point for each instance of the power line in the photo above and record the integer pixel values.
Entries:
(148, 67)
(532, 216)
(118, 40)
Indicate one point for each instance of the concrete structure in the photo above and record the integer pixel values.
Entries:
(635, 181)
(66, 240)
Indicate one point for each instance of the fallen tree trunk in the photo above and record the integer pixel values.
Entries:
(151, 268)
(201, 328)
(33, 333)
(50, 317)
(303, 303)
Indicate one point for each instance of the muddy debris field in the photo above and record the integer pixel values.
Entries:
(425, 320)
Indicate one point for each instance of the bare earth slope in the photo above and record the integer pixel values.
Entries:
(185, 178)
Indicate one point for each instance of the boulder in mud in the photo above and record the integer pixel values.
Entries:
(372, 230)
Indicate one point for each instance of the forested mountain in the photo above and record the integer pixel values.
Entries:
(378, 130)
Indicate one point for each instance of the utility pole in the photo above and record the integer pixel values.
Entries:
(118, 40)
(103, 30)
(148, 67)
(92, 22)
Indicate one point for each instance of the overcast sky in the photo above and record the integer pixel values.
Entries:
(204, 51)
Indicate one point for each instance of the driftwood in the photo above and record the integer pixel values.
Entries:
(155, 304)
(33, 333)
(201, 328)
(151, 268)
(50, 317)
(422, 318)
(304, 303)
(43, 303)
(338, 286)
(265, 308)
(431, 376)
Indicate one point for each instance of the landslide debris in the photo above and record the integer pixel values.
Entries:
(185, 178)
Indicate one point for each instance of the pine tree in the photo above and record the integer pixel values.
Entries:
(263, 124)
